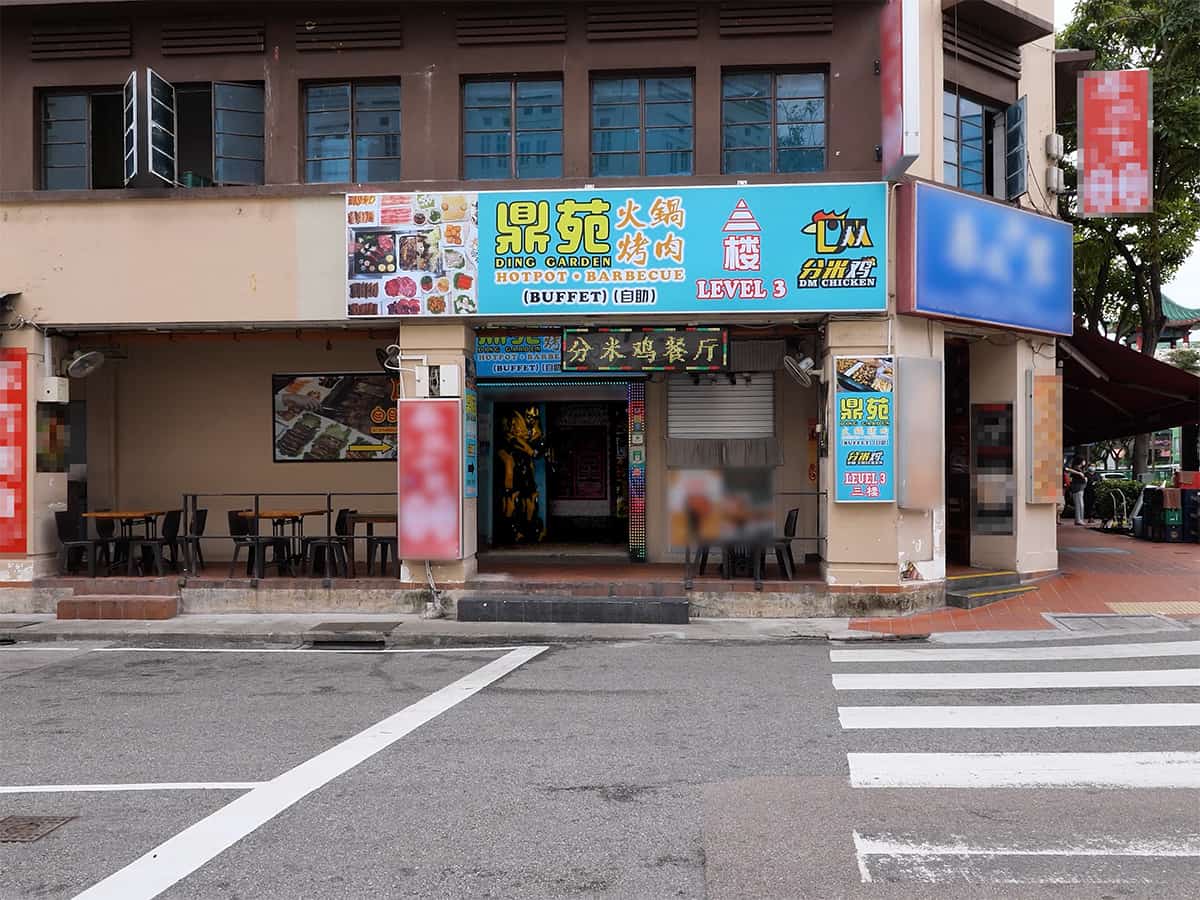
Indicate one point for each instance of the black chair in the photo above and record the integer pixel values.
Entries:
(244, 532)
(334, 557)
(76, 545)
(191, 541)
(385, 545)
(783, 546)
(158, 546)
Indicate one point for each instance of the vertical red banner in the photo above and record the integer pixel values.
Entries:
(1116, 121)
(14, 482)
(899, 86)
(430, 446)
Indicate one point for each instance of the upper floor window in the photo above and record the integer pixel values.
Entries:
(352, 132)
(82, 140)
(643, 126)
(967, 143)
(513, 128)
(772, 122)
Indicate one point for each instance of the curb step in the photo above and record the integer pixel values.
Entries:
(501, 607)
(976, 599)
(118, 606)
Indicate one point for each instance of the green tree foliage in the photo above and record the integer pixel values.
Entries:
(1185, 358)
(1121, 263)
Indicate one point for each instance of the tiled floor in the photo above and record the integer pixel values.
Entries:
(1099, 572)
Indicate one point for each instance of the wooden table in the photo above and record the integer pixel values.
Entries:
(370, 520)
(129, 518)
(279, 521)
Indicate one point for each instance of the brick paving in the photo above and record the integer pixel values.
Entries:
(1096, 570)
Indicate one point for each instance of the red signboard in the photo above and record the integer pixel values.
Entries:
(430, 445)
(1116, 122)
(13, 436)
(899, 86)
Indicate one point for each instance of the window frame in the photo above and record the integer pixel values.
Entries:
(45, 94)
(352, 135)
(993, 113)
(641, 75)
(512, 81)
(773, 122)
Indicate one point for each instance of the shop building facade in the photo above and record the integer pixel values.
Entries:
(694, 191)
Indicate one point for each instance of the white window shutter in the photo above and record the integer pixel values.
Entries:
(129, 100)
(161, 114)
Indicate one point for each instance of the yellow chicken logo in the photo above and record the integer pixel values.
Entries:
(835, 232)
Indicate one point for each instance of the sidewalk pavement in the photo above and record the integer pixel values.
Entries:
(412, 630)
(1099, 574)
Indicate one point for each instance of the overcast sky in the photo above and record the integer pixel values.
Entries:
(1185, 286)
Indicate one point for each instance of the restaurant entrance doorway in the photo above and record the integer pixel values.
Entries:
(554, 465)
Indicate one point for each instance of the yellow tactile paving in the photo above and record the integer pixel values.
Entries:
(1164, 607)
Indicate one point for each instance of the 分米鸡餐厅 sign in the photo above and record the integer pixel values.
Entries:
(645, 350)
(622, 251)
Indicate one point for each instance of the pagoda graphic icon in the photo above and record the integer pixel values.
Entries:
(741, 220)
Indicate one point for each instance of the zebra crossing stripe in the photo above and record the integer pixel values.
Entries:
(1000, 654)
(1090, 715)
(987, 681)
(1025, 770)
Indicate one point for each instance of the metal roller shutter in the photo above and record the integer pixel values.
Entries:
(719, 409)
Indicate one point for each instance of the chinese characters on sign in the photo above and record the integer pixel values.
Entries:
(498, 355)
(778, 248)
(1115, 154)
(470, 443)
(864, 414)
(644, 350)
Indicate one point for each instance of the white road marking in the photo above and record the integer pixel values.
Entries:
(179, 856)
(997, 654)
(887, 845)
(147, 786)
(1020, 770)
(1096, 860)
(1090, 715)
(1012, 681)
(310, 651)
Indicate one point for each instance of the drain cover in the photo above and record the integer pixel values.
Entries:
(29, 828)
(1112, 623)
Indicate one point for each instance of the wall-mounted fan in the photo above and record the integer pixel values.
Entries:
(84, 363)
(802, 369)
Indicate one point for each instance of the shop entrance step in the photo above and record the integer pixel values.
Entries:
(976, 599)
(981, 580)
(505, 607)
(118, 606)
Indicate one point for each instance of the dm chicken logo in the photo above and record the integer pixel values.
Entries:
(835, 232)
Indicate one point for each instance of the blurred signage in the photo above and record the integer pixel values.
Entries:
(619, 251)
(900, 85)
(14, 434)
(1116, 124)
(470, 443)
(508, 355)
(645, 350)
(977, 260)
(864, 467)
(429, 483)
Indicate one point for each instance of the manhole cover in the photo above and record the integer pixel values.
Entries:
(1112, 623)
(352, 627)
(29, 828)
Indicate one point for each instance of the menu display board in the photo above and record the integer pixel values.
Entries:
(335, 417)
(618, 251)
(864, 467)
(645, 350)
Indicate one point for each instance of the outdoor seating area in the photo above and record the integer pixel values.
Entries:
(266, 534)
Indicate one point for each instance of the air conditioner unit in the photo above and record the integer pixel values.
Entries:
(1054, 180)
(1054, 146)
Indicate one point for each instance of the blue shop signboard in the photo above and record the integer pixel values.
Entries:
(864, 439)
(518, 355)
(620, 251)
(976, 260)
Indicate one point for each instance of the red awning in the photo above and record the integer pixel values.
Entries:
(1111, 391)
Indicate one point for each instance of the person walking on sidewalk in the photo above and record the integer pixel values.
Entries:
(1078, 486)
(1092, 477)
